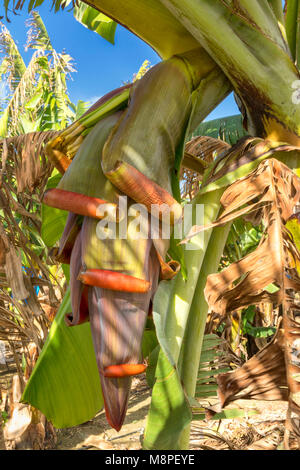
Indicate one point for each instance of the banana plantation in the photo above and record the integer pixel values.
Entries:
(146, 250)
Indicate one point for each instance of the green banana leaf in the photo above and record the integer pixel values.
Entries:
(65, 383)
(53, 220)
(95, 21)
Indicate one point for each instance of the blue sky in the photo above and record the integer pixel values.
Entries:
(100, 66)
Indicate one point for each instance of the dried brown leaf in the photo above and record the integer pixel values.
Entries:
(205, 147)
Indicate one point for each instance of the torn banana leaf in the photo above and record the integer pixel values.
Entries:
(65, 384)
(269, 194)
(263, 377)
(53, 220)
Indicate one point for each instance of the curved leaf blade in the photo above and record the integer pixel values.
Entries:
(65, 383)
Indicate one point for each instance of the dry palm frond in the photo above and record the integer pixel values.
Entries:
(246, 153)
(28, 287)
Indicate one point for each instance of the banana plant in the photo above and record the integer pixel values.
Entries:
(254, 51)
(36, 98)
(124, 265)
(229, 129)
(35, 101)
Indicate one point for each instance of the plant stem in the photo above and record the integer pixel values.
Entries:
(192, 346)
